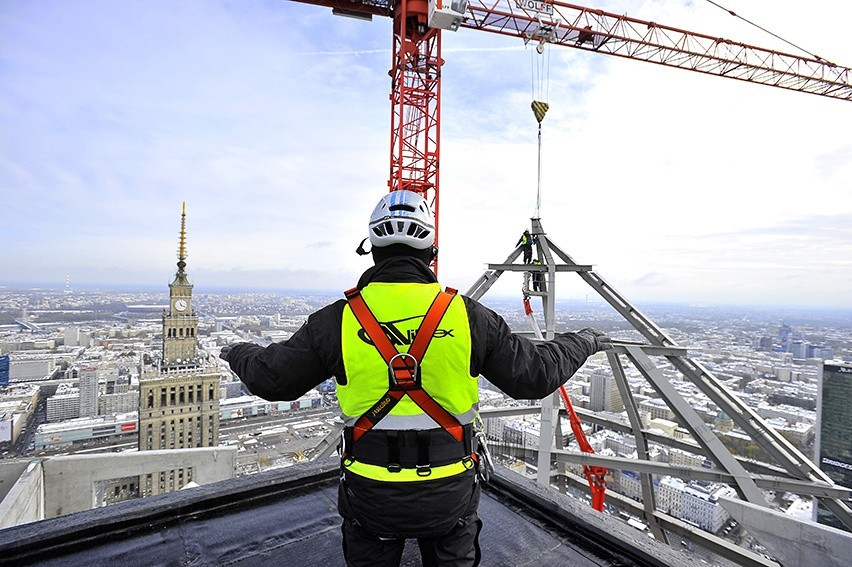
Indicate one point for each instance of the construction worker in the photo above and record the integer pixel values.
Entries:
(409, 455)
(526, 242)
(537, 277)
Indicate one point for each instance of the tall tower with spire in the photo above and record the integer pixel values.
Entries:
(180, 322)
(179, 397)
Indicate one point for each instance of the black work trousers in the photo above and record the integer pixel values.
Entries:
(457, 548)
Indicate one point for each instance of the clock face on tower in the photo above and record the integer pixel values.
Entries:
(180, 305)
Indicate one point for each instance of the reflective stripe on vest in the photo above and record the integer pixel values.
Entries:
(376, 472)
(400, 308)
(421, 421)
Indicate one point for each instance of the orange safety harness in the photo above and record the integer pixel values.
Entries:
(404, 368)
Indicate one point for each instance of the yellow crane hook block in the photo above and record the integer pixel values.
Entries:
(539, 109)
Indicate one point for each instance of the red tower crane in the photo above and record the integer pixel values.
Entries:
(416, 67)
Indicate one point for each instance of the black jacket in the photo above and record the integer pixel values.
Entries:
(517, 366)
(428, 508)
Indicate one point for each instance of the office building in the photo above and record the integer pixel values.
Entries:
(834, 430)
(27, 370)
(60, 407)
(88, 392)
(603, 392)
(122, 402)
(72, 336)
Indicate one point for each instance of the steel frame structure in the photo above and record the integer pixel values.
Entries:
(796, 473)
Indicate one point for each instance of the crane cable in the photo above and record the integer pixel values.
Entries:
(540, 86)
(595, 475)
(802, 49)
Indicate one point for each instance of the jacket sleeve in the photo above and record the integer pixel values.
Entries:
(289, 369)
(521, 368)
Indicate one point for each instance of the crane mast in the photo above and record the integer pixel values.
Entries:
(415, 104)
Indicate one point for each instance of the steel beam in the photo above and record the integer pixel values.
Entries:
(749, 464)
(590, 417)
(796, 474)
(486, 280)
(770, 440)
(821, 490)
(535, 268)
(328, 445)
(649, 500)
(724, 548)
(700, 432)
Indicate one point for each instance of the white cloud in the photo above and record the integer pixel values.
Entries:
(272, 122)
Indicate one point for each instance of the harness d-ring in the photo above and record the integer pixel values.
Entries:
(410, 369)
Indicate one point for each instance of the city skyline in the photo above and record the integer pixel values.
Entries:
(780, 385)
(726, 193)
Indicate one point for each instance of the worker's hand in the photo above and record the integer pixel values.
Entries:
(223, 354)
(599, 340)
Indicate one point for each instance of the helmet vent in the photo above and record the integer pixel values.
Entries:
(402, 217)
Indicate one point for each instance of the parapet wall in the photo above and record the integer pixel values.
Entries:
(25, 500)
(69, 482)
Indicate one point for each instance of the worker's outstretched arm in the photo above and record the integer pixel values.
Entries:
(287, 370)
(521, 368)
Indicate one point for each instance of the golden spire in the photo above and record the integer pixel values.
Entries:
(182, 247)
(180, 277)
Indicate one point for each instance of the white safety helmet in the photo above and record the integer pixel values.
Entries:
(402, 217)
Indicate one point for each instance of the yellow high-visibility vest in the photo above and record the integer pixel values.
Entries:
(445, 368)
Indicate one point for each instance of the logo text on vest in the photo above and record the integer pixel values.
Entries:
(399, 336)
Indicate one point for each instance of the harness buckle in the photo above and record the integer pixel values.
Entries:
(424, 470)
(407, 365)
(394, 467)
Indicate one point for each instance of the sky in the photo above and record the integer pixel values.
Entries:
(270, 119)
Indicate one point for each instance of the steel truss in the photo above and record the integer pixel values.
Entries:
(794, 472)
(569, 25)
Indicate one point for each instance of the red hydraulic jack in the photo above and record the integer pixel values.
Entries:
(595, 475)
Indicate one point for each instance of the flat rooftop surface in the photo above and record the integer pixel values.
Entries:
(289, 517)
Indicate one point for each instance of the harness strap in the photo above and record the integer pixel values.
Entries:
(403, 371)
(430, 323)
(375, 448)
(393, 451)
(423, 455)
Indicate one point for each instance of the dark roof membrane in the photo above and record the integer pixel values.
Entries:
(289, 517)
